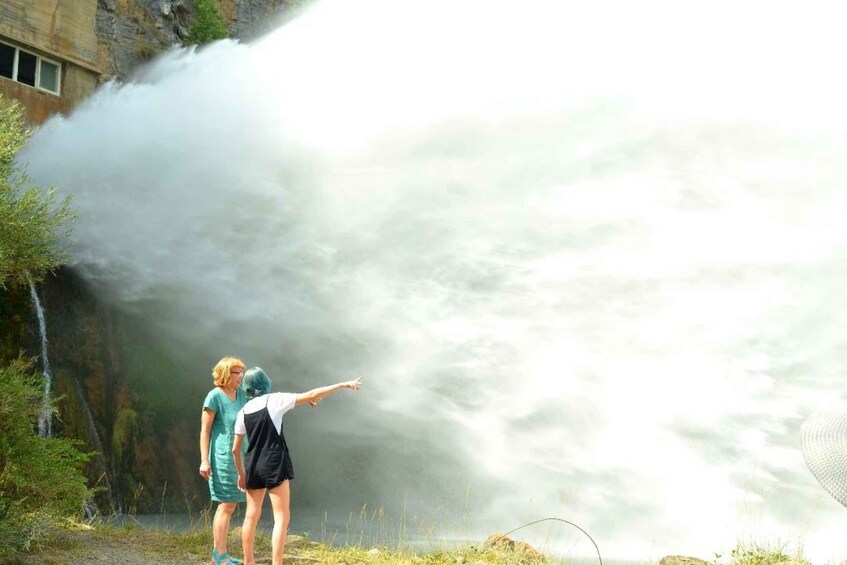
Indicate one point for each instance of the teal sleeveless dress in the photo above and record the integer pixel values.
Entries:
(223, 484)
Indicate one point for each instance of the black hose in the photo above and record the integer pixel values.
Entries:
(559, 520)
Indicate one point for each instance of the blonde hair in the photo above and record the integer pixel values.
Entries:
(221, 371)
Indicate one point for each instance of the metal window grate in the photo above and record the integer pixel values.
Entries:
(823, 442)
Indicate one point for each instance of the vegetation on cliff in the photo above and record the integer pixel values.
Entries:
(41, 479)
(33, 221)
(208, 24)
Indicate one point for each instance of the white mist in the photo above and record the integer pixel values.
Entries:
(596, 253)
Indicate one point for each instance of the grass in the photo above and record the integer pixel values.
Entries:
(79, 543)
(755, 554)
(117, 543)
(113, 544)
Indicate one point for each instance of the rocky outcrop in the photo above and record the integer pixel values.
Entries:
(130, 32)
(682, 560)
(517, 551)
(248, 19)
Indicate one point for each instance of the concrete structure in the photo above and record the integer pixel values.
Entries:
(48, 54)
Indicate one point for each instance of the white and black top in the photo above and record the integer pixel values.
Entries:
(267, 462)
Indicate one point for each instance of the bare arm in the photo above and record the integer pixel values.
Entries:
(239, 460)
(320, 393)
(206, 421)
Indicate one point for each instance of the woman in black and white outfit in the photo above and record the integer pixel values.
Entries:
(267, 465)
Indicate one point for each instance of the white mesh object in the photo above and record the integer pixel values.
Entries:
(823, 442)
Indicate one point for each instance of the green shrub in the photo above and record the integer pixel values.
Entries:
(33, 221)
(41, 478)
(755, 554)
(208, 24)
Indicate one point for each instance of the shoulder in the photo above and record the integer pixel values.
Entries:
(253, 405)
(211, 397)
(282, 401)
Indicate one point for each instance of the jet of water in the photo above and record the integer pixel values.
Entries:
(589, 256)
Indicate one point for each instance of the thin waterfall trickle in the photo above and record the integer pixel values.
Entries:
(45, 416)
(90, 507)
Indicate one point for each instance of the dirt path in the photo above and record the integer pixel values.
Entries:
(143, 547)
(136, 548)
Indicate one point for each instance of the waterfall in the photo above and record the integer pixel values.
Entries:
(90, 507)
(45, 416)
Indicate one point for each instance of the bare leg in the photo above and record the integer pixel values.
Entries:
(220, 525)
(251, 518)
(280, 498)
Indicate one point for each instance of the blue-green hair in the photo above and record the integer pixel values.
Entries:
(256, 382)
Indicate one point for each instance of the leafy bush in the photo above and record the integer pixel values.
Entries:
(33, 221)
(41, 478)
(208, 24)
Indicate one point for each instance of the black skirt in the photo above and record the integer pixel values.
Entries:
(268, 462)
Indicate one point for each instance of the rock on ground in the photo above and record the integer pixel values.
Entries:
(682, 560)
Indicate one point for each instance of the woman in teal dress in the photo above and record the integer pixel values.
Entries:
(217, 465)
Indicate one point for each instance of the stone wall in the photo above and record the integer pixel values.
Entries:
(62, 28)
(77, 84)
(57, 30)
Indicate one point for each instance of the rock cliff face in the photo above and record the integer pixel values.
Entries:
(131, 32)
(115, 391)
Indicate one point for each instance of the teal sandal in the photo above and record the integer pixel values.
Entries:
(224, 558)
